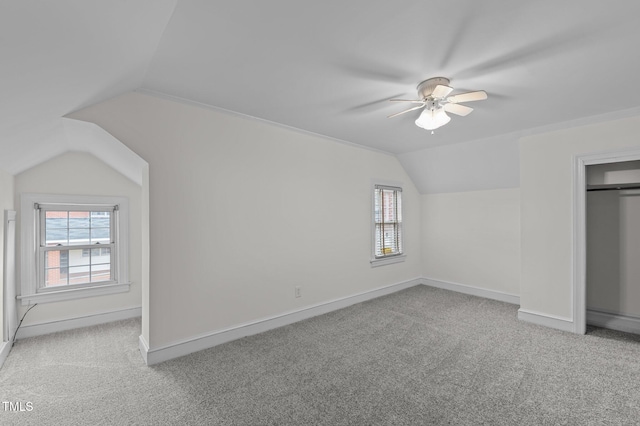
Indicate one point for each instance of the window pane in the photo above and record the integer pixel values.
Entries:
(79, 228)
(79, 274)
(100, 235)
(100, 219)
(56, 237)
(390, 240)
(56, 219)
(56, 259)
(79, 236)
(77, 258)
(56, 263)
(101, 272)
(101, 227)
(101, 255)
(55, 277)
(101, 264)
(389, 206)
(79, 219)
(56, 224)
(56, 268)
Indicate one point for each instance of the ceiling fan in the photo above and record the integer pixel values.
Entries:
(435, 99)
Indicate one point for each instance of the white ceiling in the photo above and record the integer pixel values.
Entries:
(59, 56)
(327, 67)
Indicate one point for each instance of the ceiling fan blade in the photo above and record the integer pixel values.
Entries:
(405, 111)
(414, 101)
(441, 91)
(371, 106)
(458, 109)
(480, 95)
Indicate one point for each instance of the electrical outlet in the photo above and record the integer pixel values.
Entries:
(298, 292)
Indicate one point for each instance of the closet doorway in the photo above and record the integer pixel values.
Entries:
(607, 160)
(613, 245)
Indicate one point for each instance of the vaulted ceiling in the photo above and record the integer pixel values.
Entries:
(326, 67)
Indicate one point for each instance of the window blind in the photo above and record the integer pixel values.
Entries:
(388, 221)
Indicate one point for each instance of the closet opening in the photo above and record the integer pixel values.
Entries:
(612, 231)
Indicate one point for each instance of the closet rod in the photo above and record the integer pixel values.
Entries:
(614, 188)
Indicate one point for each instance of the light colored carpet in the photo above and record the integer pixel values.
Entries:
(420, 356)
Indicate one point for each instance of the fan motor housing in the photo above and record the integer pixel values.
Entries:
(425, 88)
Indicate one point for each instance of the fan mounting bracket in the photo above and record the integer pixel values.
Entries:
(425, 88)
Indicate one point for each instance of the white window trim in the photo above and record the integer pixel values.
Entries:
(375, 262)
(28, 250)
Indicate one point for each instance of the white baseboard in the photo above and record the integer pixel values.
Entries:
(474, 291)
(78, 322)
(614, 321)
(5, 348)
(198, 343)
(551, 321)
(143, 346)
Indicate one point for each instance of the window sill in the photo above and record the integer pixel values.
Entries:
(76, 293)
(388, 260)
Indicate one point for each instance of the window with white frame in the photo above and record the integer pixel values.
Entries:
(387, 232)
(66, 234)
(79, 247)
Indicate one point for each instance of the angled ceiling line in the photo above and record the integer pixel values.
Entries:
(191, 102)
(157, 46)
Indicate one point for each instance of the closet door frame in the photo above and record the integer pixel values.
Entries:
(579, 255)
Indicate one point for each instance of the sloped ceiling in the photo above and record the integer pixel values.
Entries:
(59, 56)
(325, 67)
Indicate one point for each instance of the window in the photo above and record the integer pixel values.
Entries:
(387, 224)
(79, 247)
(67, 245)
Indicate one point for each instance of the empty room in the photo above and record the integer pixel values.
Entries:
(319, 213)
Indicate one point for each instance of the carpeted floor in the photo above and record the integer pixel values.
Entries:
(417, 357)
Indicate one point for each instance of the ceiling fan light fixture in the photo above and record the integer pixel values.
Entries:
(431, 119)
(433, 96)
